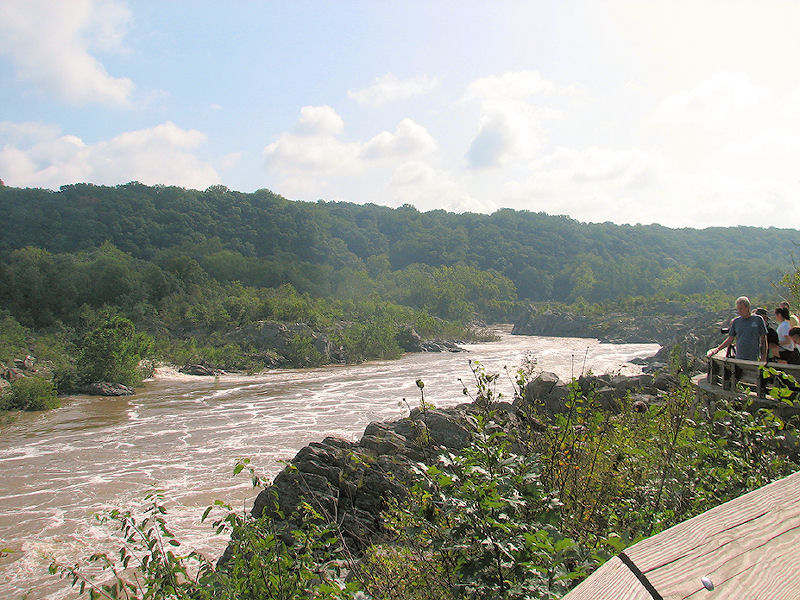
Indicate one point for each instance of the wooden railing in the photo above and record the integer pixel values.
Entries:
(726, 373)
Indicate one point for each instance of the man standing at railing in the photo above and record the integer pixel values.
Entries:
(749, 331)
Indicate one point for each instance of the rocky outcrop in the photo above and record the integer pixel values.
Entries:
(106, 389)
(350, 481)
(441, 346)
(22, 367)
(282, 344)
(551, 394)
(411, 341)
(282, 339)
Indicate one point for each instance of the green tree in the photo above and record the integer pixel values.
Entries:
(112, 351)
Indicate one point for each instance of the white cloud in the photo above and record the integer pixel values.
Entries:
(319, 120)
(408, 139)
(49, 44)
(389, 88)
(162, 154)
(509, 130)
(716, 102)
(420, 185)
(318, 150)
(313, 155)
(510, 127)
(518, 85)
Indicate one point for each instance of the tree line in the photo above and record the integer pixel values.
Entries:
(262, 239)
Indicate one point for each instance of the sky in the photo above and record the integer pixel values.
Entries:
(677, 112)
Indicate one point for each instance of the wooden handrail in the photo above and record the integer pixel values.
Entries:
(727, 372)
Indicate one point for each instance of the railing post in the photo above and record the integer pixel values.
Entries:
(727, 376)
(761, 385)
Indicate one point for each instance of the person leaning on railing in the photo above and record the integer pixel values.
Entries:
(749, 331)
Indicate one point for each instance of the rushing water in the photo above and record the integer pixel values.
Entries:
(183, 434)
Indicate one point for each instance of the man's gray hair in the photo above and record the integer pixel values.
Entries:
(743, 300)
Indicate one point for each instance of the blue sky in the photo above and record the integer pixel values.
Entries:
(677, 112)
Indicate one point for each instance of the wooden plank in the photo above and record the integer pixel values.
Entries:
(748, 547)
(732, 544)
(613, 580)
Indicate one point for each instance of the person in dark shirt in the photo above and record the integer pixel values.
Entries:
(749, 331)
(773, 344)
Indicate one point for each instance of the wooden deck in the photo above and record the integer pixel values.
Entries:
(749, 549)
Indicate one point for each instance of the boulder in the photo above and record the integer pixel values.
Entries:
(409, 340)
(107, 389)
(25, 364)
(540, 388)
(200, 370)
(665, 382)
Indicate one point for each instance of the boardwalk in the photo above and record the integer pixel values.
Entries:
(747, 549)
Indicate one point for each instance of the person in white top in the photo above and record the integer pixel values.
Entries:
(784, 325)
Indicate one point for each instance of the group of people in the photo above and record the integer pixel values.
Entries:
(755, 339)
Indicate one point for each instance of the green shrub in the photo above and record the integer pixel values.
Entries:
(13, 339)
(112, 351)
(31, 393)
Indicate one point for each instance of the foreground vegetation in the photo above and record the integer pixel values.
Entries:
(523, 512)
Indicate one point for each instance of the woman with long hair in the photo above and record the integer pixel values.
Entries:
(784, 325)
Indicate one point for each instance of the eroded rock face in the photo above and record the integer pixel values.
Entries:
(351, 481)
(278, 337)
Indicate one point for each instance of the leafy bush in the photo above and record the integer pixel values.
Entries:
(13, 339)
(30, 393)
(112, 351)
(267, 561)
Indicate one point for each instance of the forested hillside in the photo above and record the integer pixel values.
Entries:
(261, 239)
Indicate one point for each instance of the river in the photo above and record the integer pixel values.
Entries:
(183, 435)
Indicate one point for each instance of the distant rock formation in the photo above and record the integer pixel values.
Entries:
(691, 327)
